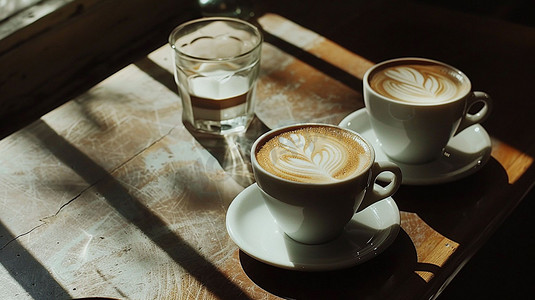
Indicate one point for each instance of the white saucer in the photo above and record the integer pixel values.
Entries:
(466, 153)
(253, 229)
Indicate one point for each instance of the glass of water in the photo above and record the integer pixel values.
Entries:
(217, 61)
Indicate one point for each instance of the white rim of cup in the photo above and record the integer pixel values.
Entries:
(275, 131)
(376, 66)
(212, 19)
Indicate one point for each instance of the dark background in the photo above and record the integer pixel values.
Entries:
(504, 267)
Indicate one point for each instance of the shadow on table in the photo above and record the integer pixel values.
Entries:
(463, 209)
(128, 206)
(29, 273)
(314, 61)
(233, 151)
(466, 211)
(390, 275)
(503, 267)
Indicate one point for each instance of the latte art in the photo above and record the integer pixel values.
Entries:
(418, 83)
(314, 154)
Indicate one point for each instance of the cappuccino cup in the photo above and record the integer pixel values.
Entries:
(314, 177)
(417, 105)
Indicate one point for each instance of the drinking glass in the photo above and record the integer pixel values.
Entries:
(217, 61)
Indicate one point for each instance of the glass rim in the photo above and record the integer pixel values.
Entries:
(254, 29)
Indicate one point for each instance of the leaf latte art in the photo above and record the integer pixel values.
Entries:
(318, 154)
(426, 83)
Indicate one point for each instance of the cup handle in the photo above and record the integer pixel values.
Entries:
(478, 117)
(378, 192)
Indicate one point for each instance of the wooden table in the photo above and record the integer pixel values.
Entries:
(110, 195)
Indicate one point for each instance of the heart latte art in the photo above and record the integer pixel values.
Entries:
(419, 83)
(316, 154)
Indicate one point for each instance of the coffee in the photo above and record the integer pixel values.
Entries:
(219, 98)
(419, 82)
(315, 154)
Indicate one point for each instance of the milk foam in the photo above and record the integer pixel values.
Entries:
(418, 83)
(314, 154)
(219, 97)
(219, 86)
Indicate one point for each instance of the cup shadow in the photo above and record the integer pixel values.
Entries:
(460, 209)
(379, 276)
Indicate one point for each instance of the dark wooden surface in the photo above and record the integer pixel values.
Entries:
(66, 51)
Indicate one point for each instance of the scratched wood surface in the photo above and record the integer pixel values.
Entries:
(110, 195)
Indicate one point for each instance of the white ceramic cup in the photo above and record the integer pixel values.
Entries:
(314, 213)
(416, 132)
